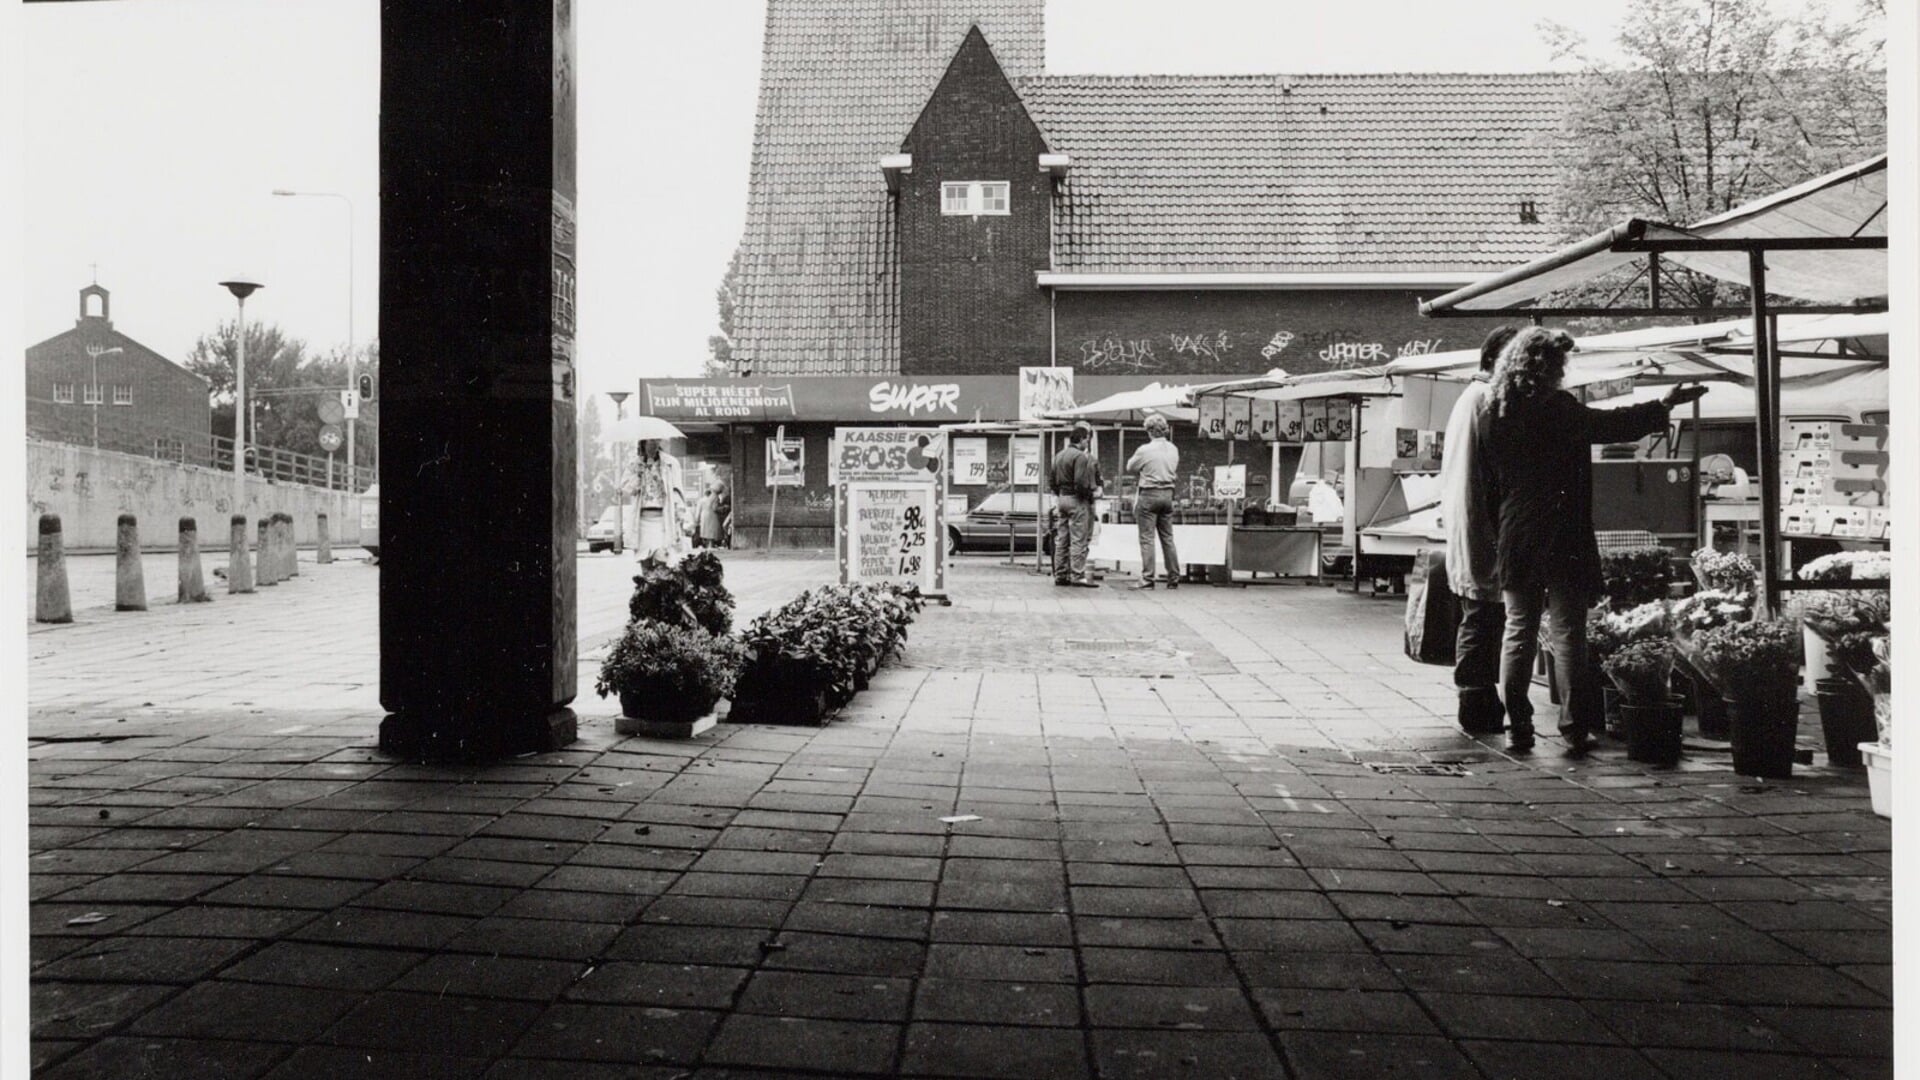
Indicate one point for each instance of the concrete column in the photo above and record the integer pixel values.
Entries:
(52, 604)
(263, 568)
(323, 553)
(291, 537)
(129, 579)
(193, 588)
(239, 570)
(478, 655)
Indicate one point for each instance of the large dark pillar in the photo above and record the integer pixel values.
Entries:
(478, 653)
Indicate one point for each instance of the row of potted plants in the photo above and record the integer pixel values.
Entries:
(677, 657)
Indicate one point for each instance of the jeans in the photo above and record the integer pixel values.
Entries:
(1153, 512)
(1566, 614)
(1073, 531)
(1476, 647)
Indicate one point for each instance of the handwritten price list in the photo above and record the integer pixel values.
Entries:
(890, 535)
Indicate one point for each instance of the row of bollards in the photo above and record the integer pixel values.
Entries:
(275, 559)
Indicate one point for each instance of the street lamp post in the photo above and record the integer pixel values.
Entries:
(353, 364)
(96, 352)
(619, 473)
(241, 286)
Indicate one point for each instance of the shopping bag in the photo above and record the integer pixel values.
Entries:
(1433, 614)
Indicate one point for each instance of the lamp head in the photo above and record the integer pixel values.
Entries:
(619, 396)
(242, 286)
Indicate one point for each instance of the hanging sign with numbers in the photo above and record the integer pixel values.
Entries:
(890, 514)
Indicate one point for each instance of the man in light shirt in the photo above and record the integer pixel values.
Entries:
(1158, 463)
(1470, 516)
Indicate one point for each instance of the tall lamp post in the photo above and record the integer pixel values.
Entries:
(96, 352)
(353, 364)
(619, 473)
(241, 286)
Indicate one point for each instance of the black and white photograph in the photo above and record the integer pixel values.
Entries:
(957, 539)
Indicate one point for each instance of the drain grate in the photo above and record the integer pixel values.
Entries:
(1402, 768)
(1113, 645)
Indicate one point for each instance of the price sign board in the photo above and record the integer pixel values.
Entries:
(890, 507)
(1229, 481)
(1239, 418)
(1026, 462)
(786, 462)
(969, 462)
(890, 533)
(1290, 421)
(1213, 416)
(1266, 420)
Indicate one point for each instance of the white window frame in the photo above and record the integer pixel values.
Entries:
(123, 393)
(973, 198)
(63, 393)
(90, 393)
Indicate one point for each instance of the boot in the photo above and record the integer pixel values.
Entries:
(1481, 712)
(1520, 737)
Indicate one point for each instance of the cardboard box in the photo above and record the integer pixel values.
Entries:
(1807, 435)
(1824, 519)
(1797, 521)
(1805, 492)
(1869, 437)
(1877, 524)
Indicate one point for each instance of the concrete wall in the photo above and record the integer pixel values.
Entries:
(90, 489)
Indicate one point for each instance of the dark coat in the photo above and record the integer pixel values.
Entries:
(1542, 471)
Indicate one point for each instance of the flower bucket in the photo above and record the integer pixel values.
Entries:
(1652, 732)
(1711, 718)
(1879, 759)
(1814, 666)
(1612, 703)
(1846, 719)
(1763, 722)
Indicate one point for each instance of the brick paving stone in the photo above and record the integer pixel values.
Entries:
(143, 960)
(1494, 1016)
(673, 986)
(200, 1058)
(1005, 1053)
(968, 1001)
(839, 1047)
(1332, 1055)
(1322, 1009)
(621, 1033)
(671, 943)
(826, 996)
(1143, 1055)
(847, 955)
(492, 976)
(361, 1063)
(88, 1011)
(1181, 1007)
(235, 1010)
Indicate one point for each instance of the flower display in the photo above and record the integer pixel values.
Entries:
(1849, 566)
(679, 672)
(1724, 572)
(1709, 609)
(1634, 576)
(1753, 653)
(1643, 670)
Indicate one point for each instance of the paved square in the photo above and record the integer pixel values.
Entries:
(1177, 861)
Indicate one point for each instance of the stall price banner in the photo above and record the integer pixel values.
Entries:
(1026, 462)
(889, 534)
(1213, 416)
(786, 462)
(969, 462)
(1314, 411)
(1266, 419)
(1339, 420)
(1229, 481)
(1290, 420)
(866, 454)
(1239, 418)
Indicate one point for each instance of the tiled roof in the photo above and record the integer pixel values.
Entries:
(841, 83)
(1416, 172)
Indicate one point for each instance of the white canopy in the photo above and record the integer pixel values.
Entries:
(1173, 402)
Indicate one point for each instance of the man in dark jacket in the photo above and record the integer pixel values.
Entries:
(1073, 477)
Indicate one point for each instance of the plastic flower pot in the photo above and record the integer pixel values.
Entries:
(1879, 759)
(1652, 731)
(643, 705)
(1763, 721)
(1846, 719)
(1712, 716)
(1612, 703)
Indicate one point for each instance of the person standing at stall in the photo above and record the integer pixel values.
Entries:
(1539, 441)
(1469, 515)
(1158, 465)
(1074, 478)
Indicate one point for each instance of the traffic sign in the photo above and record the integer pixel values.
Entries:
(330, 438)
(350, 404)
(331, 411)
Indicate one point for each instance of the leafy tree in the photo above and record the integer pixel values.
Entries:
(720, 346)
(277, 362)
(1718, 102)
(595, 474)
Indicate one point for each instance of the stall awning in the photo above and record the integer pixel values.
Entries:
(1823, 215)
(1132, 406)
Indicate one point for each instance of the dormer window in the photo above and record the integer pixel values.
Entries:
(975, 197)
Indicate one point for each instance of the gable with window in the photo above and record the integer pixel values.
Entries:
(974, 197)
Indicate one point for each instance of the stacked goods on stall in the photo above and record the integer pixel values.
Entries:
(807, 658)
(1833, 480)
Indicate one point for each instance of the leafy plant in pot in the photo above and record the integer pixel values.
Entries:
(1724, 572)
(1689, 619)
(691, 593)
(1634, 576)
(668, 673)
(1843, 625)
(1756, 665)
(1643, 672)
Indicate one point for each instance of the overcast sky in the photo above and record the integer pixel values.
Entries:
(155, 132)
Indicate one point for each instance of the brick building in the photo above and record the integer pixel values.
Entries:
(928, 209)
(92, 385)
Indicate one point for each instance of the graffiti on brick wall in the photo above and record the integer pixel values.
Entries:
(1130, 354)
(817, 499)
(1352, 354)
(1206, 346)
(1418, 347)
(1276, 344)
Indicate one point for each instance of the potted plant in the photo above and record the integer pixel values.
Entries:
(1841, 625)
(1691, 617)
(1635, 575)
(1643, 671)
(1723, 571)
(809, 656)
(1756, 664)
(1879, 755)
(1603, 640)
(689, 593)
(668, 677)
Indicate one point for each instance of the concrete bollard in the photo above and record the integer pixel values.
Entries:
(293, 545)
(324, 555)
(239, 570)
(193, 588)
(129, 579)
(263, 556)
(52, 604)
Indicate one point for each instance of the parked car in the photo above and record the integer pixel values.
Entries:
(604, 534)
(984, 528)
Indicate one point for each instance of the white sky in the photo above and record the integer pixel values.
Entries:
(155, 130)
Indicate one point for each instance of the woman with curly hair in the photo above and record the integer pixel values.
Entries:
(1539, 440)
